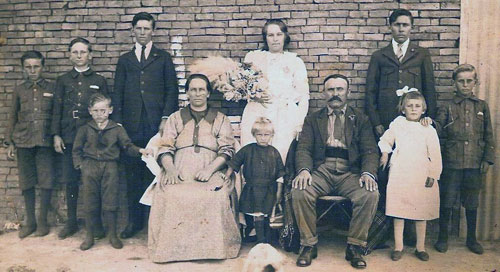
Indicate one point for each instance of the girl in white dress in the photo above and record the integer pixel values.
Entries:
(287, 99)
(415, 167)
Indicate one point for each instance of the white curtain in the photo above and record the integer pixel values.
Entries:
(480, 46)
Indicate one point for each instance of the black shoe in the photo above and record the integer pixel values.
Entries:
(396, 255)
(68, 230)
(130, 231)
(42, 230)
(422, 255)
(441, 246)
(475, 247)
(307, 253)
(26, 231)
(352, 254)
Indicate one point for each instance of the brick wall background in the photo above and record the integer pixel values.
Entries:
(329, 35)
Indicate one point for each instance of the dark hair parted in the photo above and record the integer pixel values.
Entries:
(400, 12)
(411, 95)
(283, 29)
(33, 54)
(336, 76)
(99, 97)
(464, 68)
(143, 16)
(80, 40)
(200, 76)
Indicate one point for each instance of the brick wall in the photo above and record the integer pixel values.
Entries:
(329, 35)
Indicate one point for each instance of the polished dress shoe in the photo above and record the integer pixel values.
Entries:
(422, 255)
(353, 254)
(130, 231)
(307, 253)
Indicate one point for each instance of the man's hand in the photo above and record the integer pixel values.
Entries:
(383, 160)
(59, 144)
(204, 175)
(379, 130)
(11, 155)
(302, 180)
(484, 167)
(426, 121)
(369, 183)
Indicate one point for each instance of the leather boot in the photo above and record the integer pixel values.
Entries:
(42, 226)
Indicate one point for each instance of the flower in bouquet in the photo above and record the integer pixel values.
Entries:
(234, 80)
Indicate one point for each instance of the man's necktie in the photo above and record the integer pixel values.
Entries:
(143, 55)
(399, 52)
(337, 126)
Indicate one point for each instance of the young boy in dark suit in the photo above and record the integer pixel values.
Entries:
(73, 90)
(96, 151)
(145, 94)
(464, 125)
(28, 131)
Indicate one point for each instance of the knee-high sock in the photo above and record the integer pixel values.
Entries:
(399, 225)
(421, 226)
(29, 203)
(471, 216)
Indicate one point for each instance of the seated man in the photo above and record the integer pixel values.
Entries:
(336, 153)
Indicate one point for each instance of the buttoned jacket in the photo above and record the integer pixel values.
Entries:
(360, 142)
(30, 114)
(73, 90)
(151, 87)
(466, 133)
(386, 74)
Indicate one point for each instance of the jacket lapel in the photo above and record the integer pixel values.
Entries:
(322, 121)
(133, 58)
(410, 52)
(389, 53)
(153, 55)
(350, 117)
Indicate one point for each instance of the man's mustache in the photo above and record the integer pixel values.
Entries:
(335, 98)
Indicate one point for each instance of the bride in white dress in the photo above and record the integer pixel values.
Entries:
(287, 99)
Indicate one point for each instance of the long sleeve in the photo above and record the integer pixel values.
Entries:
(78, 144)
(55, 128)
(225, 138)
(368, 148)
(441, 121)
(171, 103)
(434, 153)
(118, 89)
(238, 159)
(489, 139)
(388, 139)
(169, 136)
(428, 85)
(14, 109)
(305, 146)
(301, 84)
(372, 89)
(126, 144)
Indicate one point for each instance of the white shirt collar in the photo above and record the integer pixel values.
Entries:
(138, 49)
(404, 48)
(81, 71)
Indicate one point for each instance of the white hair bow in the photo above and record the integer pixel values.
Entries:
(406, 89)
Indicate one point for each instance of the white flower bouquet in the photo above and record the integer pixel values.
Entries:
(234, 80)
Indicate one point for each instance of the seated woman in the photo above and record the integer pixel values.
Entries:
(191, 217)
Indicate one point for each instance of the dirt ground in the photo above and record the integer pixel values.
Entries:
(50, 254)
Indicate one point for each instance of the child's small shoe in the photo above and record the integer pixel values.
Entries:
(475, 247)
(115, 242)
(396, 255)
(422, 255)
(441, 246)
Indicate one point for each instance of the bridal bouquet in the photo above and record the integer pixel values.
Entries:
(234, 80)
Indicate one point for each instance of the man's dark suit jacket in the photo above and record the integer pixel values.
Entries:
(360, 141)
(386, 74)
(152, 88)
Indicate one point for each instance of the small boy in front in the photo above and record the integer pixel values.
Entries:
(70, 112)
(464, 125)
(28, 132)
(96, 150)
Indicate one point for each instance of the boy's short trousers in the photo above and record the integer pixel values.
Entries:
(100, 185)
(460, 185)
(36, 166)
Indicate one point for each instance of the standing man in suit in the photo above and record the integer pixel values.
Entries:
(145, 94)
(401, 63)
(336, 152)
